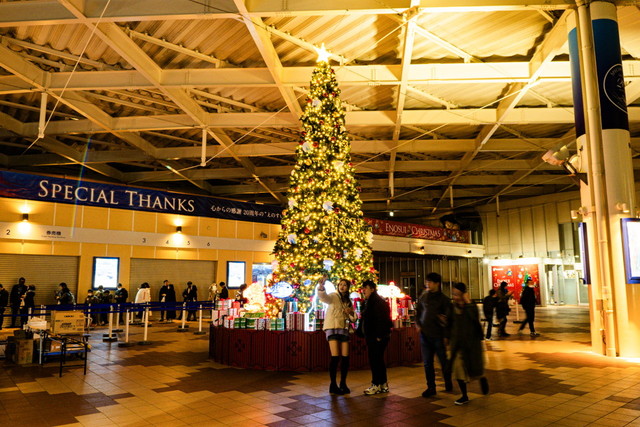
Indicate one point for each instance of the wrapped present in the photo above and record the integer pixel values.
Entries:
(255, 315)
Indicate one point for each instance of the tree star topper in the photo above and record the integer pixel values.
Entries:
(323, 54)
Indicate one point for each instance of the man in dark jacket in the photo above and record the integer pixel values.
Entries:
(17, 291)
(4, 300)
(162, 297)
(528, 302)
(224, 291)
(121, 296)
(488, 306)
(432, 313)
(190, 295)
(502, 308)
(375, 327)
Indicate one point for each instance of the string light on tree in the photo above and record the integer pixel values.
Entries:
(323, 231)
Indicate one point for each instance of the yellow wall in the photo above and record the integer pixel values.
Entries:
(64, 215)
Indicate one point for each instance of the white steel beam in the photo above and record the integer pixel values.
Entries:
(50, 12)
(471, 116)
(263, 42)
(370, 167)
(409, 28)
(349, 75)
(278, 149)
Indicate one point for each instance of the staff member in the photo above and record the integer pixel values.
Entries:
(17, 292)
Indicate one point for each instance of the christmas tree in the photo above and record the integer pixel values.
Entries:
(323, 231)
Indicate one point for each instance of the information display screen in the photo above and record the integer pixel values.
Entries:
(631, 248)
(105, 272)
(235, 274)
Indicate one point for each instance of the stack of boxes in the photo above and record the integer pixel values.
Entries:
(406, 313)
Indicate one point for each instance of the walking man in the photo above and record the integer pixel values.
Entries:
(432, 314)
(528, 302)
(502, 309)
(488, 306)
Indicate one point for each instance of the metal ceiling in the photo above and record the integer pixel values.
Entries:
(450, 103)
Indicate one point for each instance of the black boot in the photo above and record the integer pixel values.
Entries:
(333, 371)
(344, 370)
(484, 385)
(463, 389)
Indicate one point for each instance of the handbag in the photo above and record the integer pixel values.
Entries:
(349, 324)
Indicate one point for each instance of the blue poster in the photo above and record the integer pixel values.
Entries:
(613, 105)
(87, 193)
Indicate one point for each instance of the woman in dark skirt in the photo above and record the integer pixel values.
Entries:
(337, 319)
(467, 355)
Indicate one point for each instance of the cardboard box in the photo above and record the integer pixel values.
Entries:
(67, 322)
(24, 352)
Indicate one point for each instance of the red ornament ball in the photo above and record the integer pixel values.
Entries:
(358, 267)
(306, 230)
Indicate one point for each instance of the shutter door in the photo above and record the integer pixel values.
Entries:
(43, 271)
(178, 272)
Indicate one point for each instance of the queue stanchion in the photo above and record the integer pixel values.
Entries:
(89, 318)
(184, 327)
(145, 319)
(516, 306)
(110, 337)
(118, 313)
(199, 331)
(126, 342)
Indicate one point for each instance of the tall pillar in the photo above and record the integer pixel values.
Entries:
(602, 131)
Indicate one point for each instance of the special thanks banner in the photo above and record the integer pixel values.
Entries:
(87, 193)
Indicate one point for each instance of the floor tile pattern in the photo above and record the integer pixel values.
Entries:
(552, 380)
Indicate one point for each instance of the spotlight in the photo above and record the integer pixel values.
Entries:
(422, 248)
(582, 211)
(179, 229)
(263, 235)
(25, 217)
(623, 207)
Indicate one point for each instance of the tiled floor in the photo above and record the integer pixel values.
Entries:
(549, 380)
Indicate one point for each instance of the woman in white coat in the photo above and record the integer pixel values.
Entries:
(143, 296)
(337, 319)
